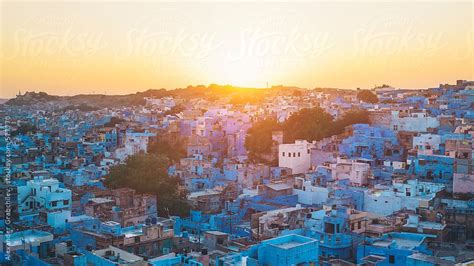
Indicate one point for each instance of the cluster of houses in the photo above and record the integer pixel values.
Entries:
(396, 191)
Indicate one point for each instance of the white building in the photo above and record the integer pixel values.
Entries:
(135, 142)
(426, 143)
(309, 193)
(296, 156)
(359, 174)
(413, 122)
(409, 195)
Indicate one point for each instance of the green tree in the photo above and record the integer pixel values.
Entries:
(173, 151)
(367, 96)
(114, 121)
(148, 173)
(24, 129)
(259, 139)
(309, 124)
(350, 118)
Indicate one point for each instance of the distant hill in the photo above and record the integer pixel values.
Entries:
(83, 101)
(97, 101)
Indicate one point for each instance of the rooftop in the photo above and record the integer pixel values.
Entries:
(31, 237)
(289, 241)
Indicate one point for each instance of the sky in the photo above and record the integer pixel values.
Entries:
(113, 47)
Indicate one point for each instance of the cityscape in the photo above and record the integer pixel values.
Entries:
(277, 160)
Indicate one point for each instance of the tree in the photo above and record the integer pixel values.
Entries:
(367, 96)
(350, 118)
(148, 173)
(174, 110)
(173, 152)
(259, 139)
(114, 121)
(24, 129)
(308, 124)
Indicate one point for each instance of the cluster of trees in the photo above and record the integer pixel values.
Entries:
(24, 129)
(367, 96)
(172, 151)
(148, 173)
(174, 110)
(307, 124)
(114, 121)
(259, 139)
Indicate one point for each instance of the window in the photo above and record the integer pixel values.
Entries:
(54, 203)
(299, 154)
(294, 154)
(66, 202)
(391, 259)
(283, 154)
(289, 154)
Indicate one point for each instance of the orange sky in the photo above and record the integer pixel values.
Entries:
(116, 48)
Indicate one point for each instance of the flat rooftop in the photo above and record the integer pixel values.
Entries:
(289, 241)
(31, 237)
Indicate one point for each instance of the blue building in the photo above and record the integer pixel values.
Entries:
(392, 248)
(285, 250)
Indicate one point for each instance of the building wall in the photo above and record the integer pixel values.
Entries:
(271, 253)
(296, 156)
(463, 183)
(311, 194)
(418, 122)
(359, 173)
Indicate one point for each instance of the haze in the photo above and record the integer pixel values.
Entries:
(118, 48)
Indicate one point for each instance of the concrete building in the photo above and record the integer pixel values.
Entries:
(295, 156)
(286, 250)
(113, 256)
(418, 121)
(410, 195)
(42, 194)
(392, 248)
